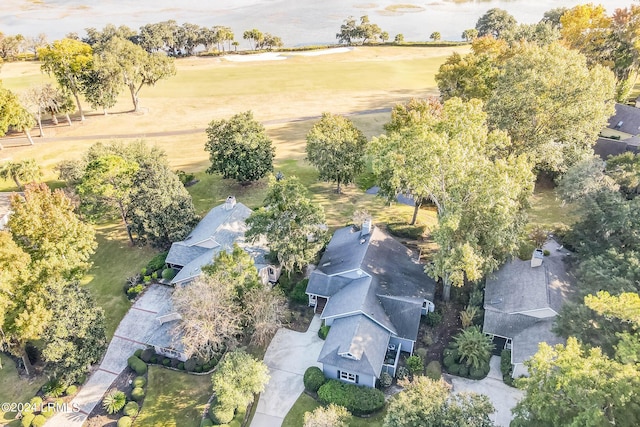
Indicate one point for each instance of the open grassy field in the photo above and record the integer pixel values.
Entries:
(305, 403)
(174, 399)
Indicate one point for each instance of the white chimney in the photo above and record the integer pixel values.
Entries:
(536, 258)
(229, 203)
(366, 228)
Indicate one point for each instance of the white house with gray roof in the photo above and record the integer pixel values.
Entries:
(219, 230)
(521, 301)
(372, 291)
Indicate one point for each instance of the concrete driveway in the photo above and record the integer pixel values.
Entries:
(132, 333)
(288, 356)
(503, 397)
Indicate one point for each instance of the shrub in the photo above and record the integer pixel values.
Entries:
(139, 382)
(323, 332)
(190, 365)
(125, 422)
(26, 420)
(474, 347)
(131, 409)
(206, 367)
(402, 373)
(134, 291)
(114, 401)
(175, 363)
(138, 353)
(38, 421)
(358, 400)
(313, 379)
(463, 371)
(168, 273)
(221, 414)
(143, 272)
(434, 370)
(185, 178)
(154, 359)
(298, 294)
(506, 368)
(454, 369)
(166, 361)
(36, 401)
(385, 380)
(154, 276)
(48, 412)
(546, 252)
(198, 369)
(54, 388)
(414, 364)
(476, 374)
(402, 229)
(206, 423)
(434, 318)
(475, 298)
(137, 365)
(181, 366)
(422, 353)
(156, 263)
(137, 394)
(146, 279)
(448, 361)
(147, 354)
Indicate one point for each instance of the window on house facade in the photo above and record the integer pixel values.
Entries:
(271, 271)
(348, 376)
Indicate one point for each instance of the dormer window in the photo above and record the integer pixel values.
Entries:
(348, 355)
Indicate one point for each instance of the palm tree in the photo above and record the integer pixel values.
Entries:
(474, 347)
(114, 401)
(25, 170)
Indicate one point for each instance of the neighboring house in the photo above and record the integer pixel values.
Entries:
(5, 208)
(372, 291)
(622, 133)
(521, 301)
(219, 230)
(223, 226)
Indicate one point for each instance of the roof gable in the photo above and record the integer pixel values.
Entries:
(626, 119)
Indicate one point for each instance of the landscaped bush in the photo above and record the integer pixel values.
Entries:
(54, 388)
(402, 373)
(156, 263)
(323, 332)
(453, 369)
(198, 369)
(358, 400)
(175, 363)
(434, 318)
(38, 421)
(48, 412)
(313, 379)
(385, 380)
(134, 291)
(147, 354)
(221, 414)
(206, 423)
(475, 298)
(185, 178)
(27, 419)
(146, 280)
(125, 422)
(137, 365)
(402, 229)
(434, 370)
(181, 366)
(137, 394)
(506, 368)
(36, 401)
(470, 349)
(415, 364)
(298, 294)
(154, 359)
(139, 382)
(138, 352)
(166, 361)
(190, 365)
(131, 409)
(463, 371)
(114, 401)
(422, 352)
(168, 273)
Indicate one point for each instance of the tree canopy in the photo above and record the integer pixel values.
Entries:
(21, 171)
(495, 22)
(238, 378)
(291, 223)
(239, 148)
(336, 147)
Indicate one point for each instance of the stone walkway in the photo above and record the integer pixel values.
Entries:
(132, 333)
(288, 356)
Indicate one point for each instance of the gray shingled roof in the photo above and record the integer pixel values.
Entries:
(211, 224)
(194, 268)
(345, 251)
(525, 344)
(404, 314)
(167, 335)
(626, 119)
(506, 325)
(606, 147)
(326, 286)
(181, 254)
(360, 336)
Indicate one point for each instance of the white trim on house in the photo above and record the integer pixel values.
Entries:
(353, 313)
(348, 377)
(359, 272)
(534, 313)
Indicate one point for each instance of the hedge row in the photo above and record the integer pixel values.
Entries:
(359, 400)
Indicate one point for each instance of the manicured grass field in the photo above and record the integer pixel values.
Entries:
(305, 403)
(14, 388)
(174, 399)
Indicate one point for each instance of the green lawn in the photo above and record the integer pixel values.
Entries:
(13, 388)
(548, 211)
(174, 399)
(305, 403)
(113, 262)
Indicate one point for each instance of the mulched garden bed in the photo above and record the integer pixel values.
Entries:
(99, 417)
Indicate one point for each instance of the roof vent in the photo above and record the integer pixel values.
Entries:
(536, 258)
(366, 228)
(229, 203)
(619, 125)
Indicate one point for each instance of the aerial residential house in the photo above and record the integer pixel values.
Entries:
(372, 291)
(622, 133)
(521, 301)
(223, 226)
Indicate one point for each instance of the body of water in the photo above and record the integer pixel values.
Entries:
(297, 22)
